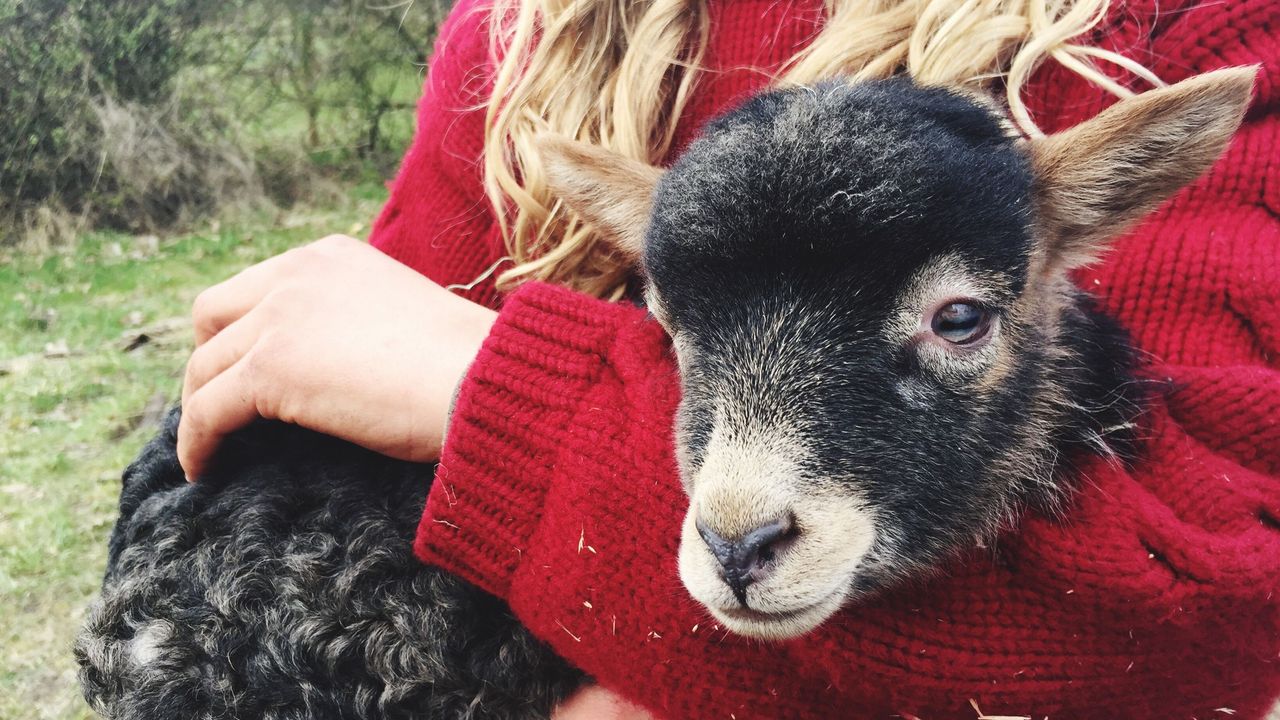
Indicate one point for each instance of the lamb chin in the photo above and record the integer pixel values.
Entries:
(782, 625)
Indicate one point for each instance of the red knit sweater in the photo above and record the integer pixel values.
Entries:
(1156, 598)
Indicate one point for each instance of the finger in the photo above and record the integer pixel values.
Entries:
(221, 305)
(222, 406)
(222, 351)
(226, 302)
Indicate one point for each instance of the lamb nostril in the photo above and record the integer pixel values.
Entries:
(744, 560)
(758, 546)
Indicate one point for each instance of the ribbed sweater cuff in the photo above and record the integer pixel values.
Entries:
(541, 358)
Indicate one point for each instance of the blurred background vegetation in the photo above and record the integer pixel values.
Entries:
(152, 115)
(151, 148)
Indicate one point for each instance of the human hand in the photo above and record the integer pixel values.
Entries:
(334, 336)
(595, 703)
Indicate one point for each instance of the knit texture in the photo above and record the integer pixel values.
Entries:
(1156, 597)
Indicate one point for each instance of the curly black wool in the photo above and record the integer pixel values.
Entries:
(282, 585)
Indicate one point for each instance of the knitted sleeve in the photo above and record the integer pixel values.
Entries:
(438, 220)
(558, 491)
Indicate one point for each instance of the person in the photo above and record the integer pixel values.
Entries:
(557, 489)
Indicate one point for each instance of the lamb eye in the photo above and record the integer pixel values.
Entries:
(961, 323)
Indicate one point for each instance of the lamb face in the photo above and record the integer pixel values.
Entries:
(841, 270)
(881, 354)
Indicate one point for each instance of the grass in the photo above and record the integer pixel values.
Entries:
(71, 400)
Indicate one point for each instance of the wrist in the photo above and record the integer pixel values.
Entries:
(472, 323)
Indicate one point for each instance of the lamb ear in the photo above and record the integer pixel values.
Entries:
(1096, 179)
(612, 193)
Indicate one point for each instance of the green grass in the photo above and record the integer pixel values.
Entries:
(67, 424)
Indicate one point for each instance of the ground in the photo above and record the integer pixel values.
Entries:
(93, 340)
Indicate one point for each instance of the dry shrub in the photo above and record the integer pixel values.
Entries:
(289, 176)
(48, 225)
(161, 169)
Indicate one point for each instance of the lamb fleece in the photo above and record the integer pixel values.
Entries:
(1156, 597)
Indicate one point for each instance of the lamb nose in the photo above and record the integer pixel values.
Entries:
(743, 559)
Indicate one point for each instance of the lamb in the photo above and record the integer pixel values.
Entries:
(883, 361)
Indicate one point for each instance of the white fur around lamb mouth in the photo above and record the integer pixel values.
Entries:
(748, 615)
(779, 625)
(751, 615)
